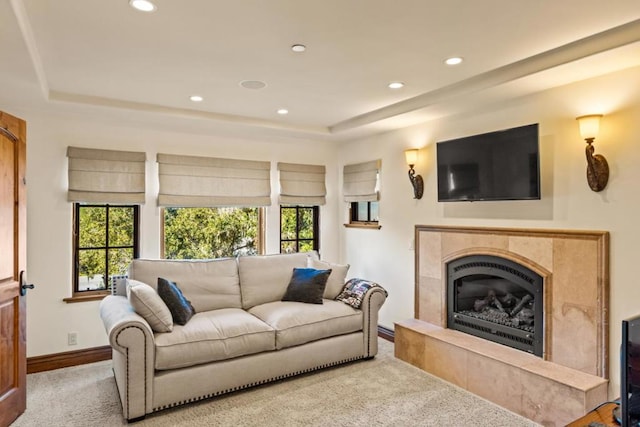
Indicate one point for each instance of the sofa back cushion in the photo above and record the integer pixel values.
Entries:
(207, 284)
(265, 278)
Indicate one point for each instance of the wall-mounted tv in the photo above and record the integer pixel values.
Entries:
(500, 165)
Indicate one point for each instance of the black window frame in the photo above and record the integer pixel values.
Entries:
(76, 292)
(316, 227)
(355, 214)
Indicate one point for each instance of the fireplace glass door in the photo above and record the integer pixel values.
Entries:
(496, 299)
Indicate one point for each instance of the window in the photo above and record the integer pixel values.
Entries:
(105, 241)
(299, 228)
(364, 212)
(204, 233)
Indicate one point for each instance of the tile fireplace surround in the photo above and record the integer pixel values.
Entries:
(571, 377)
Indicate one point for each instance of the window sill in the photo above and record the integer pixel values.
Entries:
(83, 298)
(369, 225)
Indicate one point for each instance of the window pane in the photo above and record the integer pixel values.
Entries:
(287, 247)
(374, 211)
(95, 257)
(119, 260)
(91, 270)
(93, 230)
(306, 224)
(306, 245)
(120, 226)
(200, 233)
(288, 223)
(362, 211)
(298, 223)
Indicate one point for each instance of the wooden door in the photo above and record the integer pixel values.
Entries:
(13, 254)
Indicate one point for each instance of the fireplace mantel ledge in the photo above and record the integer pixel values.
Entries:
(537, 388)
(510, 356)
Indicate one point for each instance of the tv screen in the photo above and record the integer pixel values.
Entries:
(501, 165)
(630, 373)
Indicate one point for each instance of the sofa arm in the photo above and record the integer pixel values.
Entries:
(132, 341)
(371, 303)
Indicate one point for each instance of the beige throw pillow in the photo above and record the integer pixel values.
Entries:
(148, 304)
(336, 280)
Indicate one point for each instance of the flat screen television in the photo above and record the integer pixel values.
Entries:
(500, 165)
(629, 411)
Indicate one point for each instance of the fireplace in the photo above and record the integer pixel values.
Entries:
(496, 299)
(569, 378)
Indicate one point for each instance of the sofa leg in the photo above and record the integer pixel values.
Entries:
(135, 420)
(369, 358)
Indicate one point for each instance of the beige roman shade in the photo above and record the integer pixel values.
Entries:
(302, 184)
(106, 176)
(189, 181)
(360, 181)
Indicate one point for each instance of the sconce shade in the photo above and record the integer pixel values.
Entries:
(411, 156)
(597, 166)
(589, 125)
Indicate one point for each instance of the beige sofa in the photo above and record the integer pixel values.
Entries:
(241, 335)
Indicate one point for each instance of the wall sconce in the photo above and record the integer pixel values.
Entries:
(597, 166)
(416, 180)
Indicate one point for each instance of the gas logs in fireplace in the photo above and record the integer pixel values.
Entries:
(496, 299)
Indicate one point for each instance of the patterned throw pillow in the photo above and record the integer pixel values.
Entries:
(354, 291)
(180, 307)
(307, 285)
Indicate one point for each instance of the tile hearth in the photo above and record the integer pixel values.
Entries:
(570, 378)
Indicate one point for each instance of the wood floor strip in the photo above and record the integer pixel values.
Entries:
(49, 362)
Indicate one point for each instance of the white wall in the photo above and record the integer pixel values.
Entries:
(49, 262)
(567, 202)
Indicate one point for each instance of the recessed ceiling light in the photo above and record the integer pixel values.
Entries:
(196, 98)
(298, 48)
(142, 5)
(455, 60)
(252, 84)
(283, 111)
(396, 85)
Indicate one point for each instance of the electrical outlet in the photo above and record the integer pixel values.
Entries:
(72, 338)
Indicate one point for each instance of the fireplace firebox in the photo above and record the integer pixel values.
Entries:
(496, 299)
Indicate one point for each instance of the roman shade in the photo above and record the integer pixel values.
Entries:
(302, 184)
(360, 181)
(189, 181)
(106, 176)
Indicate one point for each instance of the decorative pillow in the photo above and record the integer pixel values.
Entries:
(119, 285)
(180, 307)
(307, 285)
(148, 304)
(354, 291)
(336, 280)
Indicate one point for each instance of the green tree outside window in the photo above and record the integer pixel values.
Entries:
(204, 233)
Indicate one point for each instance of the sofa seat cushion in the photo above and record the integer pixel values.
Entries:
(213, 335)
(298, 323)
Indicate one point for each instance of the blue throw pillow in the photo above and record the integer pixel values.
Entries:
(180, 307)
(307, 285)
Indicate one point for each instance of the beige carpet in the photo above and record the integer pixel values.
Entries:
(381, 392)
